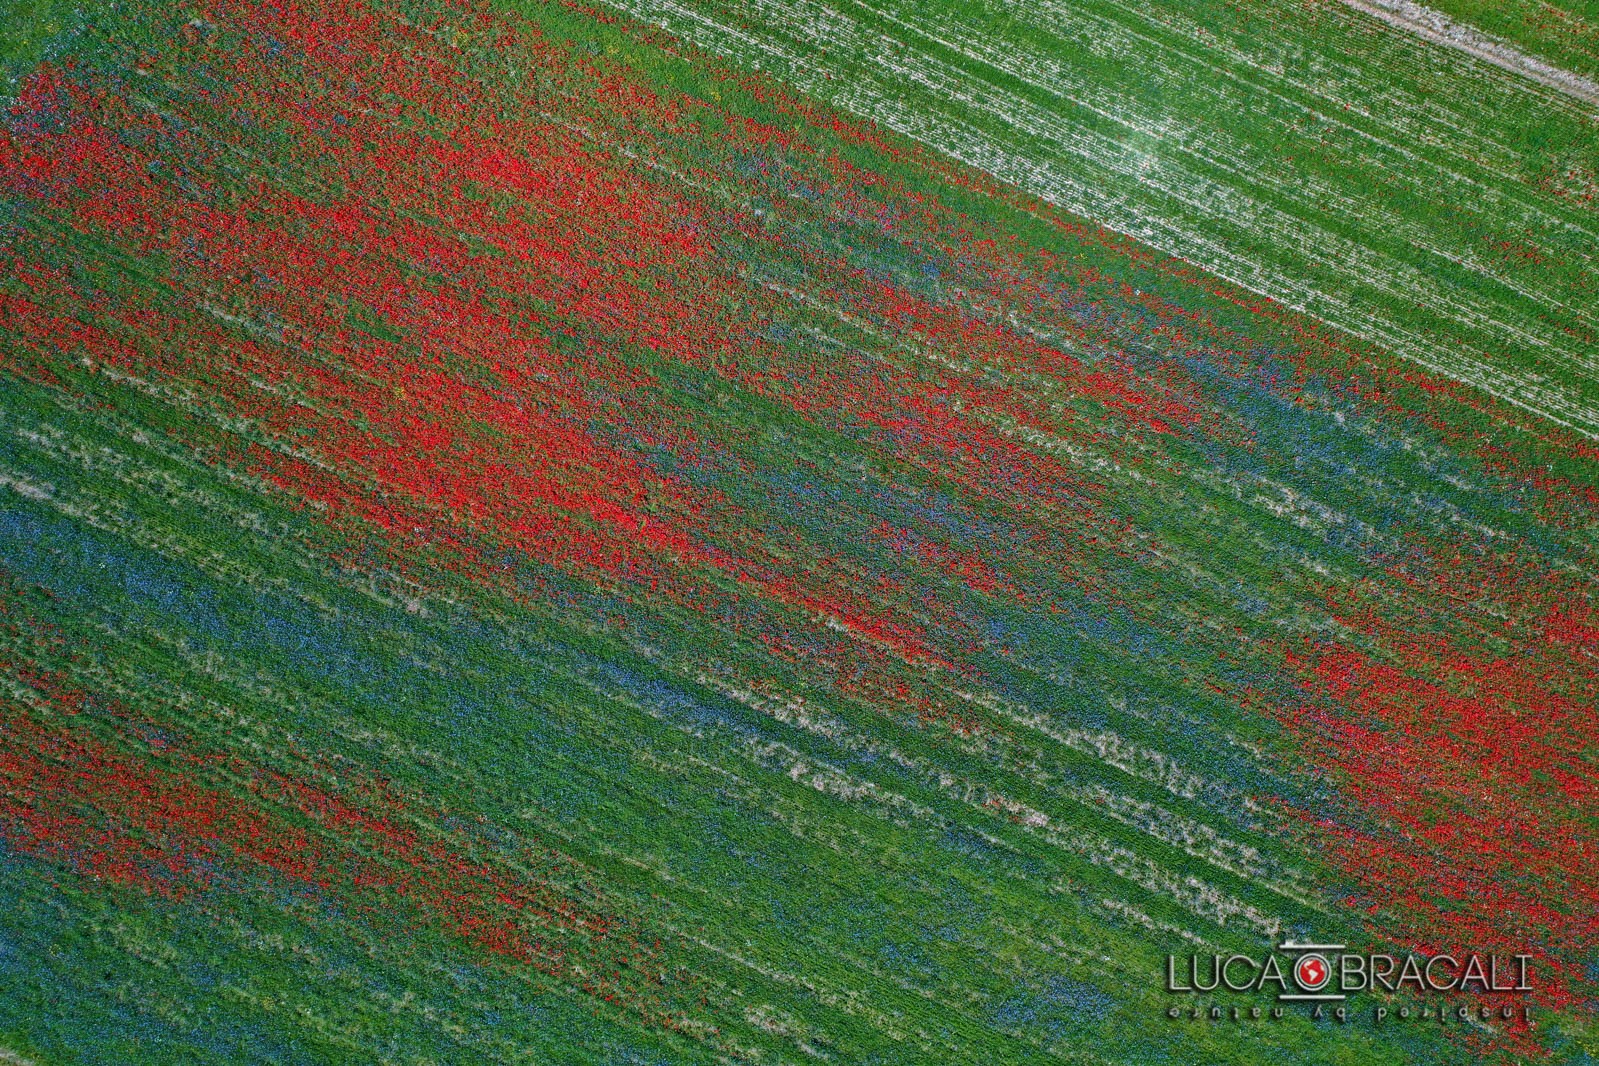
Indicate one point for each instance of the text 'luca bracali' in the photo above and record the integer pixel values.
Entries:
(1324, 976)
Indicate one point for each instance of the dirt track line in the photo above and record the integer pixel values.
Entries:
(1441, 29)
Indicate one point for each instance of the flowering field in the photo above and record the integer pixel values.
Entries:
(782, 532)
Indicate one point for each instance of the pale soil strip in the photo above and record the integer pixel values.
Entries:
(1439, 28)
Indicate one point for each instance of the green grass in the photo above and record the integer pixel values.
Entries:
(1563, 34)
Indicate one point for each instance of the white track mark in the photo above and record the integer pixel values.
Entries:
(1439, 28)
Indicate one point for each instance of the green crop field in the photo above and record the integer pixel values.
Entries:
(785, 532)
